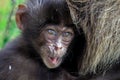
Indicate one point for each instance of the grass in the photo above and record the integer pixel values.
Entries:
(7, 34)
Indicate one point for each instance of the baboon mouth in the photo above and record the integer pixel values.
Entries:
(54, 60)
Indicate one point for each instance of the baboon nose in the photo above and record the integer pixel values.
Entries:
(57, 48)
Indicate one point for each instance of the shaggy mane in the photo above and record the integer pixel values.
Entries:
(100, 21)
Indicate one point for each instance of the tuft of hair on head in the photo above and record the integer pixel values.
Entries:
(49, 11)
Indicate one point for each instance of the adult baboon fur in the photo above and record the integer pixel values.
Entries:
(100, 21)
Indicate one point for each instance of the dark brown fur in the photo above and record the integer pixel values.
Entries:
(19, 59)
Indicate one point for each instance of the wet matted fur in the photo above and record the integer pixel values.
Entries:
(100, 21)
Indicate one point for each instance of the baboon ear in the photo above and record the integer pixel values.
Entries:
(19, 14)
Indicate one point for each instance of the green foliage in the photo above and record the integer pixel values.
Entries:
(8, 29)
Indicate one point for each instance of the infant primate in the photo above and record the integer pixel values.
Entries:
(47, 32)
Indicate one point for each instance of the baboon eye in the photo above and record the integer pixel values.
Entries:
(52, 32)
(67, 34)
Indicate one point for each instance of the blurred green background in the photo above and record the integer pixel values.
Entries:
(8, 28)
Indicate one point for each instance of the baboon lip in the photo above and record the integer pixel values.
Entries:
(54, 60)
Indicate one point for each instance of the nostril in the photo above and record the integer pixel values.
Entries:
(56, 48)
(60, 47)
